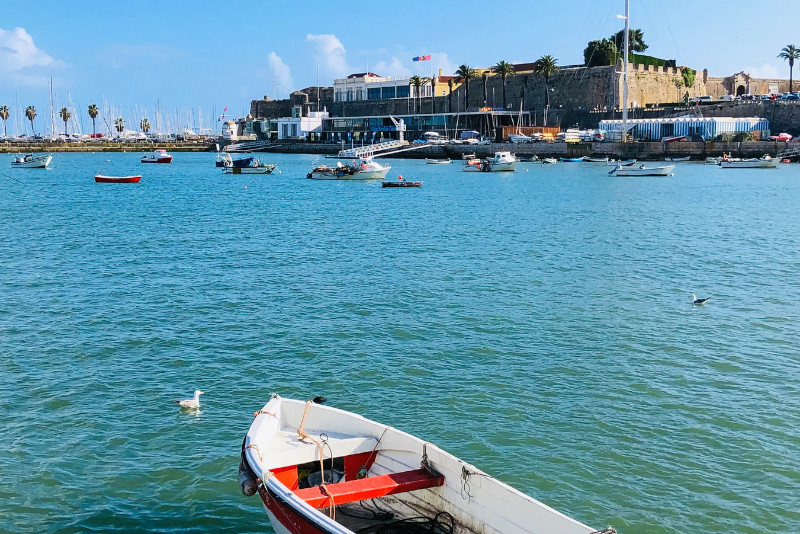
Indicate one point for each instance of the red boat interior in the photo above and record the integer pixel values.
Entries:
(304, 480)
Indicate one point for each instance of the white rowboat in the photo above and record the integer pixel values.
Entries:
(641, 170)
(764, 162)
(30, 161)
(292, 446)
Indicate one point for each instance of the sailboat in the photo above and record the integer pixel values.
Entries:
(519, 137)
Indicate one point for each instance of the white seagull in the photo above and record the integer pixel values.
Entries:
(699, 302)
(194, 402)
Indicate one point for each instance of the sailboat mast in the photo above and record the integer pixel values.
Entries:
(625, 74)
(52, 113)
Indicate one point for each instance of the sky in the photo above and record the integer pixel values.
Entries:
(190, 60)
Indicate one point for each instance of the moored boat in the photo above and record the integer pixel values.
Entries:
(400, 182)
(371, 169)
(620, 163)
(117, 179)
(157, 156)
(316, 467)
(432, 161)
(589, 159)
(764, 162)
(29, 161)
(339, 172)
(224, 160)
(642, 170)
(549, 161)
(572, 160)
(684, 158)
(503, 161)
(255, 167)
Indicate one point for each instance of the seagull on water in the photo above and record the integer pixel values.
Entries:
(697, 301)
(194, 402)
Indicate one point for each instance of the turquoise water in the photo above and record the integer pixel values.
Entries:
(536, 324)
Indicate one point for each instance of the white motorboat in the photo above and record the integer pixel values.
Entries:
(318, 469)
(255, 167)
(29, 161)
(519, 138)
(432, 161)
(589, 159)
(371, 169)
(549, 161)
(642, 170)
(713, 161)
(685, 158)
(764, 162)
(502, 161)
(617, 163)
(157, 156)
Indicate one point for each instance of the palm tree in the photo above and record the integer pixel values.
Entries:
(450, 95)
(416, 81)
(504, 69)
(93, 113)
(432, 82)
(464, 74)
(790, 52)
(119, 125)
(65, 115)
(4, 116)
(485, 77)
(145, 125)
(546, 66)
(30, 112)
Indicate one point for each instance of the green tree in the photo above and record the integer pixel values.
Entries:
(464, 74)
(65, 116)
(636, 40)
(505, 70)
(4, 116)
(119, 125)
(30, 112)
(145, 125)
(417, 82)
(546, 66)
(93, 113)
(790, 53)
(600, 53)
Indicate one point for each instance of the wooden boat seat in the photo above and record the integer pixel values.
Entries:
(371, 487)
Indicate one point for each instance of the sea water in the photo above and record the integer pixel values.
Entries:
(537, 324)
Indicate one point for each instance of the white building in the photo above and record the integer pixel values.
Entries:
(301, 127)
(370, 86)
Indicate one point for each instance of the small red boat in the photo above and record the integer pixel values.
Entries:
(117, 179)
(158, 156)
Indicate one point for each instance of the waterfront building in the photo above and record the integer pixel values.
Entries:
(299, 127)
(370, 86)
(693, 127)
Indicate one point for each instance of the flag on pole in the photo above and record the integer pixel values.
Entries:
(422, 58)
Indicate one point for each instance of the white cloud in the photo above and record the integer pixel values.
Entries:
(394, 68)
(330, 54)
(439, 60)
(764, 71)
(20, 60)
(283, 76)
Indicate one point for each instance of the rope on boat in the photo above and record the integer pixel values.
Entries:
(305, 435)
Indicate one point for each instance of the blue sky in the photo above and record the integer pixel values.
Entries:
(195, 58)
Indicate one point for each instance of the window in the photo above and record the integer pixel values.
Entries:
(349, 95)
(403, 91)
(374, 93)
(294, 129)
(359, 94)
(388, 92)
(285, 131)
